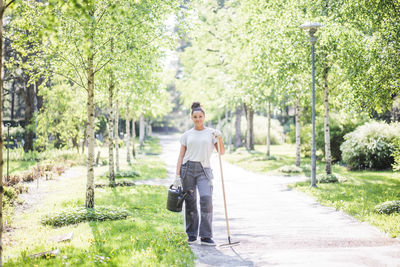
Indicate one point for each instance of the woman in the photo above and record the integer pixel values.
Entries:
(193, 172)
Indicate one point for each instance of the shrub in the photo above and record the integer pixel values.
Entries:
(339, 126)
(324, 178)
(290, 169)
(13, 179)
(370, 146)
(388, 207)
(127, 174)
(10, 194)
(82, 214)
(119, 183)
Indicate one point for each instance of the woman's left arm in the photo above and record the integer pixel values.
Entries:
(221, 145)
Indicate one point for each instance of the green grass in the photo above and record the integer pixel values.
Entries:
(18, 166)
(358, 196)
(257, 161)
(151, 236)
(147, 162)
(20, 161)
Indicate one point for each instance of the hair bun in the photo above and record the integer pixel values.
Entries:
(195, 105)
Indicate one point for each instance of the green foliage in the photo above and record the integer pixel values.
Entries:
(10, 194)
(290, 169)
(340, 125)
(370, 146)
(324, 178)
(153, 236)
(50, 155)
(388, 207)
(82, 214)
(396, 155)
(63, 117)
(305, 138)
(257, 161)
(127, 174)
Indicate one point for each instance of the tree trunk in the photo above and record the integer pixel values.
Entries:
(150, 129)
(250, 129)
(228, 130)
(328, 160)
(29, 99)
(128, 134)
(269, 130)
(238, 133)
(90, 104)
(116, 134)
(12, 101)
(111, 173)
(2, 8)
(298, 140)
(84, 139)
(133, 136)
(75, 143)
(141, 130)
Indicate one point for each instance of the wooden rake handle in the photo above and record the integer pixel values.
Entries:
(223, 188)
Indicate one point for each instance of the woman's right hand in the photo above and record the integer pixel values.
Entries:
(177, 183)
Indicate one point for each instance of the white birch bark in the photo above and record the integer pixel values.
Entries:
(111, 173)
(116, 134)
(90, 105)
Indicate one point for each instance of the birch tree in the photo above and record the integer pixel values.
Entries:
(4, 5)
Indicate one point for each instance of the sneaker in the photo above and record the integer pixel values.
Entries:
(206, 241)
(192, 239)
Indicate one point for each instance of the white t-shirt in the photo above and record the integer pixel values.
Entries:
(199, 145)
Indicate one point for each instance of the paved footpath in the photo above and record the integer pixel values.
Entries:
(277, 226)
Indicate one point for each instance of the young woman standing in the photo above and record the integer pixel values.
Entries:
(193, 172)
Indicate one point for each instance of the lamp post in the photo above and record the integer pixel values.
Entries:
(312, 27)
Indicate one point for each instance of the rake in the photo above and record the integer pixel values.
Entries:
(230, 243)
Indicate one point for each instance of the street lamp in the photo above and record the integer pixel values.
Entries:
(312, 27)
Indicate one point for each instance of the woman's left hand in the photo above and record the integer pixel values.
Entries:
(217, 134)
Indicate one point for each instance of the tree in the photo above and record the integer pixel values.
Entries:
(4, 5)
(80, 50)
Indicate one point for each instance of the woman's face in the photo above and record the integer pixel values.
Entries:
(198, 119)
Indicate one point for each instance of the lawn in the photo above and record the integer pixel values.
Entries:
(257, 161)
(150, 236)
(357, 196)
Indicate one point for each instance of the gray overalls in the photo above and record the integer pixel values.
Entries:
(194, 175)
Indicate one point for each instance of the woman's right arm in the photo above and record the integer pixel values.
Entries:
(180, 159)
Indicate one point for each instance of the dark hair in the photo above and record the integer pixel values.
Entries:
(197, 107)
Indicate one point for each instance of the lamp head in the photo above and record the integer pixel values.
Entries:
(312, 27)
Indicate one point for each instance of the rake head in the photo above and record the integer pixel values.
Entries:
(230, 243)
